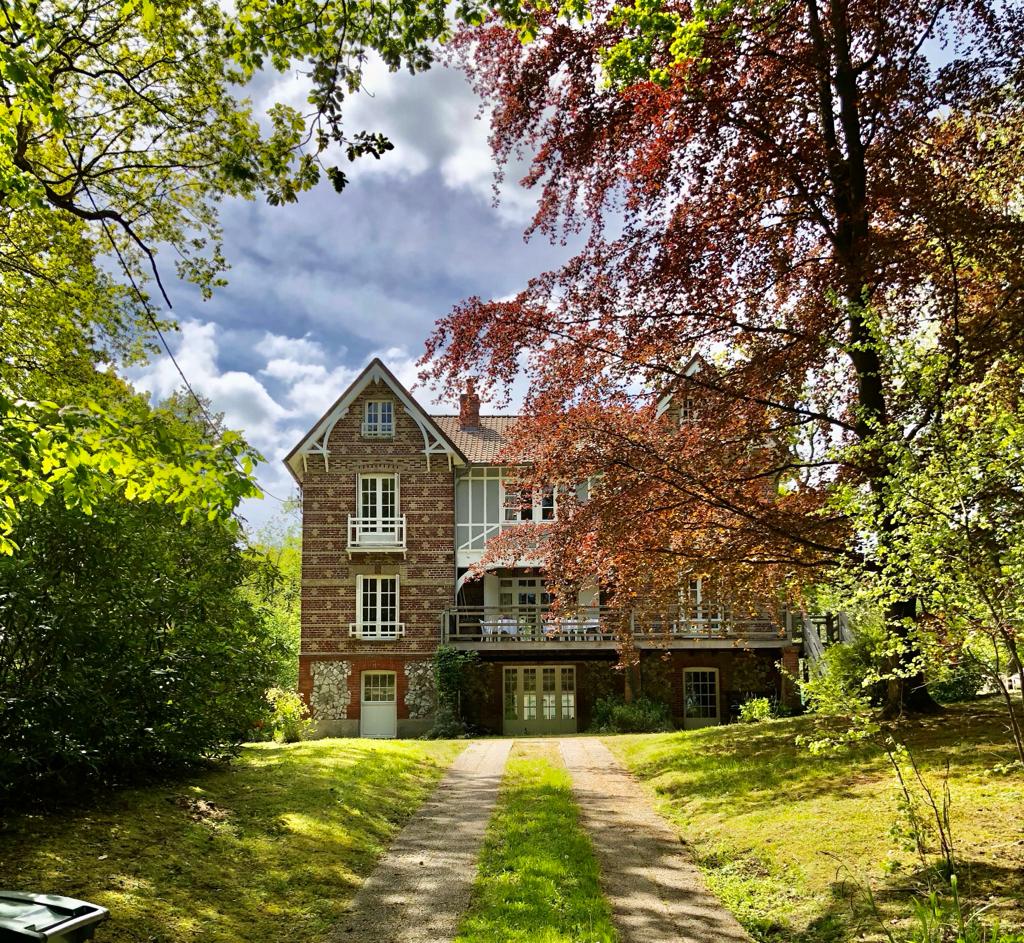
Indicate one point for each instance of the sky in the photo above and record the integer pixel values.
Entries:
(318, 288)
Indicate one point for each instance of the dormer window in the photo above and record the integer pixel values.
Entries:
(379, 419)
(687, 410)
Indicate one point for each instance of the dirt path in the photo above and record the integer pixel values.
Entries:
(422, 886)
(656, 893)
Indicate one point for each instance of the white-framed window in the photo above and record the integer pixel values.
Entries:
(378, 497)
(688, 410)
(379, 687)
(522, 593)
(377, 608)
(700, 694)
(379, 419)
(524, 504)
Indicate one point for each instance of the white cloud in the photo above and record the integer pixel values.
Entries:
(299, 348)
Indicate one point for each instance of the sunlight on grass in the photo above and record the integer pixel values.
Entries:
(779, 832)
(270, 849)
(538, 878)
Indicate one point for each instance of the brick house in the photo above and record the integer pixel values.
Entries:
(397, 505)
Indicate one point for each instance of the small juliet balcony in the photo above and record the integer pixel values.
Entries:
(376, 631)
(376, 535)
(524, 627)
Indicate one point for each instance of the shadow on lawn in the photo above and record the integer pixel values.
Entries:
(269, 850)
(741, 768)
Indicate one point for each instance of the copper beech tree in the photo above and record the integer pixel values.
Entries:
(800, 192)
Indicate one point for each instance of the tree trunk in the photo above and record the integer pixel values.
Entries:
(905, 694)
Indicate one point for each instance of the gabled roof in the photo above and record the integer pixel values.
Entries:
(695, 364)
(480, 444)
(435, 440)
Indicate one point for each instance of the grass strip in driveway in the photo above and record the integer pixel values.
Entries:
(538, 878)
(268, 849)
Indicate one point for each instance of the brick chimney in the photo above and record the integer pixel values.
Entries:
(469, 407)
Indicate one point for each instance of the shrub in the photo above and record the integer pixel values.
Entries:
(958, 682)
(289, 720)
(614, 715)
(448, 725)
(838, 687)
(126, 647)
(756, 709)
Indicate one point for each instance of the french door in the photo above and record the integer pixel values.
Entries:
(378, 508)
(700, 698)
(539, 699)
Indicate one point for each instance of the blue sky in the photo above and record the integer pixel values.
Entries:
(318, 288)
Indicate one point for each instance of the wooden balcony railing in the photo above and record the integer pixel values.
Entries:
(483, 625)
(376, 534)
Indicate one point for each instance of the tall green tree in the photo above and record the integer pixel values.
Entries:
(128, 644)
(122, 127)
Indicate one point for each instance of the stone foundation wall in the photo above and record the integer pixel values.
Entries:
(330, 696)
(420, 690)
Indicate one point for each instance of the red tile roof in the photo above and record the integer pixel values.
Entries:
(482, 443)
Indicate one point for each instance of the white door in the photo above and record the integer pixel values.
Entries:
(700, 698)
(378, 708)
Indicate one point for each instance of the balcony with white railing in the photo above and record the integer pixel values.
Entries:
(376, 631)
(596, 627)
(376, 534)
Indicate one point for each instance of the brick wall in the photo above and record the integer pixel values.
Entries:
(426, 571)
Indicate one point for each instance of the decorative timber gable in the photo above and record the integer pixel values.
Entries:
(315, 445)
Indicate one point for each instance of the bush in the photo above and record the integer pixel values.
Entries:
(614, 715)
(756, 709)
(959, 682)
(839, 686)
(289, 721)
(126, 648)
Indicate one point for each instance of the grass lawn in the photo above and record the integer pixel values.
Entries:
(538, 878)
(269, 849)
(765, 818)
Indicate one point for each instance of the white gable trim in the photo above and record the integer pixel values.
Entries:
(314, 444)
(688, 371)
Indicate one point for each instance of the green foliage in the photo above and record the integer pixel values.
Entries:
(127, 647)
(277, 594)
(459, 678)
(960, 681)
(614, 715)
(757, 709)
(289, 720)
(84, 454)
(942, 919)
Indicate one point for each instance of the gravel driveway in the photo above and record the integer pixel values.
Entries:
(656, 893)
(422, 886)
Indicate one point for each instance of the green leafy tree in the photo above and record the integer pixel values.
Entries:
(277, 547)
(128, 644)
(122, 127)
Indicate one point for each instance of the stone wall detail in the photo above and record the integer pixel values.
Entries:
(330, 697)
(420, 692)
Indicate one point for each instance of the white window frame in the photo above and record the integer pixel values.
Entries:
(377, 477)
(517, 510)
(377, 628)
(377, 427)
(376, 673)
(690, 669)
